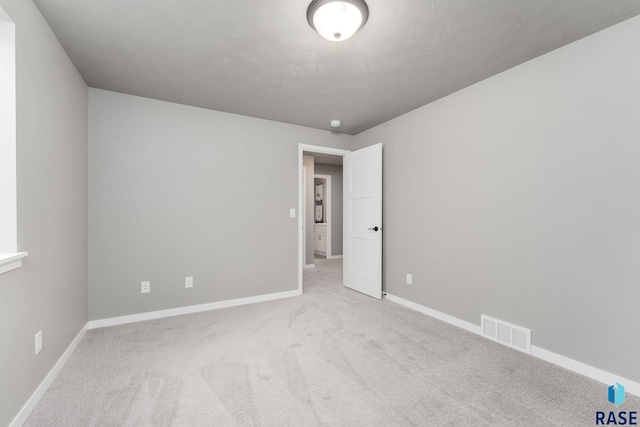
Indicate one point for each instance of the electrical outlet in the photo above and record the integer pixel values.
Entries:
(409, 279)
(188, 282)
(145, 287)
(38, 342)
(292, 212)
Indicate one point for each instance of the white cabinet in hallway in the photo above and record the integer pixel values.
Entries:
(320, 238)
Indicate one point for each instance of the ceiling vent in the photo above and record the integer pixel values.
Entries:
(506, 333)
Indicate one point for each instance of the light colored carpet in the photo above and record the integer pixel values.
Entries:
(331, 357)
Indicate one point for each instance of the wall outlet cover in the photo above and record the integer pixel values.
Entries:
(188, 282)
(409, 279)
(145, 287)
(38, 342)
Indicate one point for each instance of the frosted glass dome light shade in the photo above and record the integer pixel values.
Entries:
(337, 20)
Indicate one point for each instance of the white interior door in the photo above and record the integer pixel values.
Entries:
(362, 174)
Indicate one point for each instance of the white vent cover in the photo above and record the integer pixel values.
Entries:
(506, 333)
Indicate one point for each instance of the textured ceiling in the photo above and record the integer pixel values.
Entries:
(262, 59)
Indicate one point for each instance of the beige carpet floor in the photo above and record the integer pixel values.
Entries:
(331, 357)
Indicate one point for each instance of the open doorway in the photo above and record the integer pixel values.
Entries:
(322, 215)
(320, 222)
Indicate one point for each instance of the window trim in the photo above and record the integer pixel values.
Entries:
(10, 257)
(10, 262)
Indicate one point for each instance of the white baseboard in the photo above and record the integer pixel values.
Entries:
(546, 355)
(308, 266)
(437, 314)
(48, 380)
(587, 370)
(334, 257)
(150, 315)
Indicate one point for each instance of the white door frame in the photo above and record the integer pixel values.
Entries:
(302, 148)
(304, 215)
(327, 218)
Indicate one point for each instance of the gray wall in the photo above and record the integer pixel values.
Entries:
(49, 292)
(336, 204)
(181, 191)
(308, 163)
(518, 198)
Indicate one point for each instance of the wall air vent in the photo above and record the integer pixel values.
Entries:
(506, 333)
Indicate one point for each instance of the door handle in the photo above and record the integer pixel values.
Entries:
(374, 228)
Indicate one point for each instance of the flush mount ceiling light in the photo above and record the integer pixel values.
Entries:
(337, 20)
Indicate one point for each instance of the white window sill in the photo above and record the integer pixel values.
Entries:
(10, 262)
